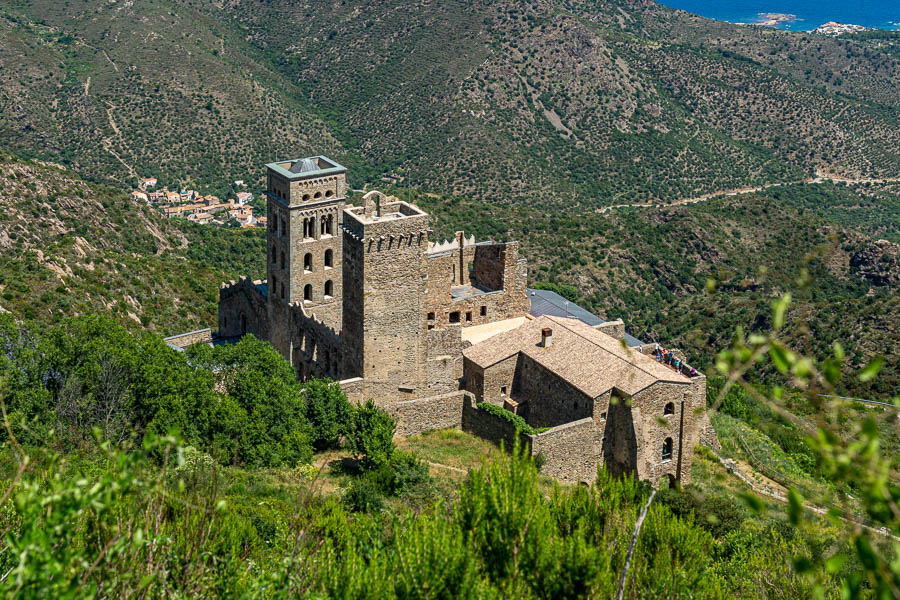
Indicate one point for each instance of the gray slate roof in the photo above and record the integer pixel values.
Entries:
(545, 302)
(307, 165)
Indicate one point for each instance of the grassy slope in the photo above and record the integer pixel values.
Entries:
(69, 247)
(152, 88)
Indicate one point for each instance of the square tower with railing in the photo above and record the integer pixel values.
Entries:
(306, 199)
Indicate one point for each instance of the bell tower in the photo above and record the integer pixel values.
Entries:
(306, 199)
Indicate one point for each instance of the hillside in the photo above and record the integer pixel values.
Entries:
(122, 90)
(521, 102)
(69, 247)
(540, 103)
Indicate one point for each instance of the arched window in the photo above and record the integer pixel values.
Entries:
(329, 258)
(667, 449)
(274, 253)
(282, 291)
(669, 409)
(307, 261)
(317, 195)
(283, 227)
(329, 224)
(329, 289)
(307, 292)
(274, 225)
(305, 197)
(274, 285)
(282, 260)
(329, 194)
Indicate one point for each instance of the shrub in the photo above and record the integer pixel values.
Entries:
(370, 436)
(362, 495)
(328, 412)
(719, 515)
(504, 414)
(410, 474)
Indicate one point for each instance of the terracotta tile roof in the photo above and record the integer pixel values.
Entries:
(590, 360)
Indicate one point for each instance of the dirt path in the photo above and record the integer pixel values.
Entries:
(107, 142)
(114, 65)
(818, 179)
(448, 467)
(764, 486)
(87, 86)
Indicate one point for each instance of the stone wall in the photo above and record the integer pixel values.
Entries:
(242, 309)
(385, 267)
(552, 400)
(614, 329)
(497, 272)
(490, 427)
(315, 348)
(488, 384)
(308, 257)
(653, 427)
(571, 451)
(189, 339)
(444, 370)
(353, 388)
(414, 417)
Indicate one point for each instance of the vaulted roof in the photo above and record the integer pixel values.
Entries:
(590, 360)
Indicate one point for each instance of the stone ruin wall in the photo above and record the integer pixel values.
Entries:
(242, 298)
(496, 266)
(315, 345)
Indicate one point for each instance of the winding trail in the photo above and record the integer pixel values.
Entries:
(819, 178)
(107, 142)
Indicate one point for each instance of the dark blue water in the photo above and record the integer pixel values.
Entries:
(880, 14)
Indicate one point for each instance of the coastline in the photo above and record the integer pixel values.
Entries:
(829, 18)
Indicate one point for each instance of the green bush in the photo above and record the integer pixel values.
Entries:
(410, 474)
(370, 436)
(363, 495)
(328, 412)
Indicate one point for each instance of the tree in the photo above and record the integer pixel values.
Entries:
(371, 436)
(262, 422)
(328, 412)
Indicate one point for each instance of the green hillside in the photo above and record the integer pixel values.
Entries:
(119, 91)
(513, 102)
(69, 247)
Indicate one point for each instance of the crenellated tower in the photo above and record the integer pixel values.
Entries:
(385, 281)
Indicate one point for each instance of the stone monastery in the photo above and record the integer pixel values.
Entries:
(361, 295)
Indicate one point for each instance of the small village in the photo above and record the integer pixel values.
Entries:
(196, 208)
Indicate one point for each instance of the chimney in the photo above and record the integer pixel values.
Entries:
(546, 337)
(461, 240)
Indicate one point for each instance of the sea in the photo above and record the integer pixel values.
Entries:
(877, 14)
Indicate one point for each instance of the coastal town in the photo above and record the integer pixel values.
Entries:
(197, 208)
